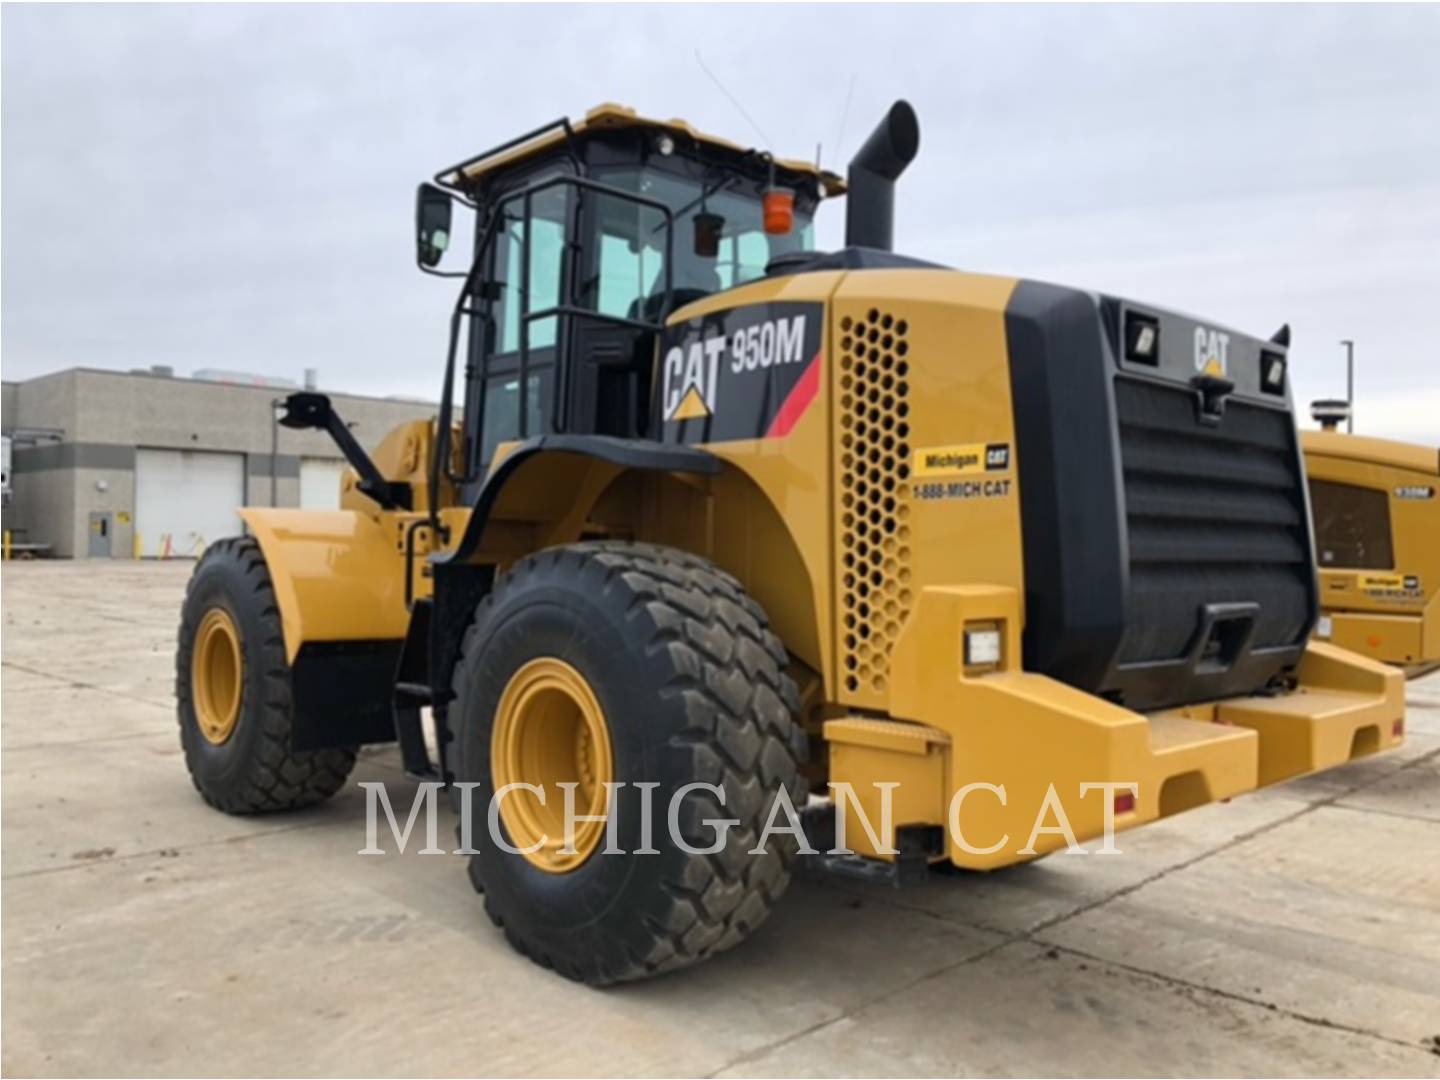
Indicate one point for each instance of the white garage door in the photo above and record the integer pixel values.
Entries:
(320, 483)
(186, 499)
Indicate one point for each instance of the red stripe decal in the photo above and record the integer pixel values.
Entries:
(797, 401)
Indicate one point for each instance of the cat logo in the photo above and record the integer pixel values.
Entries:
(748, 372)
(1211, 352)
(693, 405)
(690, 375)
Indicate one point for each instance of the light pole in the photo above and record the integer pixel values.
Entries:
(1350, 383)
(277, 410)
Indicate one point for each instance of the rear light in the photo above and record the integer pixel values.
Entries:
(1124, 802)
(982, 647)
(1142, 338)
(1272, 372)
(1397, 729)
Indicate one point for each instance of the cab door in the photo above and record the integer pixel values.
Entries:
(504, 338)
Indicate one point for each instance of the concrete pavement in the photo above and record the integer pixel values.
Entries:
(1295, 931)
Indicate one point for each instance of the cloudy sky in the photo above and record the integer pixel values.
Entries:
(231, 187)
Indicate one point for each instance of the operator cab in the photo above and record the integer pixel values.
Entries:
(587, 236)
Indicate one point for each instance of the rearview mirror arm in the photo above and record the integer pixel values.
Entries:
(310, 410)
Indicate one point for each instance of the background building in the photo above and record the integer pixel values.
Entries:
(110, 464)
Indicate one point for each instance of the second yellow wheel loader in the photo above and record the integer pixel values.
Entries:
(1376, 505)
(722, 524)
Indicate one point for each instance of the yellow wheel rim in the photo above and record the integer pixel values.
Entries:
(216, 676)
(549, 730)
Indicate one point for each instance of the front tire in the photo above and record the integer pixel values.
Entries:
(689, 684)
(232, 688)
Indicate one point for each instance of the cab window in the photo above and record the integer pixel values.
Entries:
(632, 241)
(501, 418)
(547, 248)
(497, 391)
(1352, 526)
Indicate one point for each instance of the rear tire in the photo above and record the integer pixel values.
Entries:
(235, 713)
(692, 686)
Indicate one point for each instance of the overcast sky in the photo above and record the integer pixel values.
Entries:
(232, 187)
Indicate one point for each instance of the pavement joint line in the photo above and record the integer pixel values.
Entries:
(846, 1013)
(1031, 935)
(1234, 841)
(258, 834)
(1126, 890)
(24, 747)
(1387, 813)
(1232, 995)
(80, 684)
(83, 864)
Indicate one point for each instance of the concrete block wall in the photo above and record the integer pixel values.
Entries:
(105, 416)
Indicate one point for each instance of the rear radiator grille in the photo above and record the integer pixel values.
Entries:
(874, 467)
(1213, 515)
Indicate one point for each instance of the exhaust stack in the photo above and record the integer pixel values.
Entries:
(870, 198)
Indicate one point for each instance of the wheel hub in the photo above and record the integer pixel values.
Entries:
(550, 731)
(216, 676)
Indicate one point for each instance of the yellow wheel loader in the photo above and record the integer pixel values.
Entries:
(1377, 536)
(712, 526)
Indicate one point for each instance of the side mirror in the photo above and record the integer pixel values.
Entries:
(432, 224)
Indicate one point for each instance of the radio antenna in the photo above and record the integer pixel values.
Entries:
(738, 107)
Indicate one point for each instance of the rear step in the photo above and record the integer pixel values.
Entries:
(1344, 707)
(1223, 763)
(1314, 729)
(918, 846)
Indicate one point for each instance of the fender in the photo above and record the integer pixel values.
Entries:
(339, 583)
(627, 454)
(461, 583)
(338, 575)
(339, 580)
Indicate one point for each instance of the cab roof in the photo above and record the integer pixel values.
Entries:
(612, 117)
(1339, 444)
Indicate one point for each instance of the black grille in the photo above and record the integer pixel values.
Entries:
(1166, 561)
(1214, 515)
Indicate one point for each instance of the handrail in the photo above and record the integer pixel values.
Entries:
(458, 169)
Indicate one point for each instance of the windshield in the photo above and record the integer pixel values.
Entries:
(632, 240)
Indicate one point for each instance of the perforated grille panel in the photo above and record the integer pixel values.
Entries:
(874, 493)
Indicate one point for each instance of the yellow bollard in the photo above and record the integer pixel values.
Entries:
(7, 545)
(135, 546)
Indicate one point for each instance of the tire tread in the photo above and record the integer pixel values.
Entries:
(727, 665)
(277, 777)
